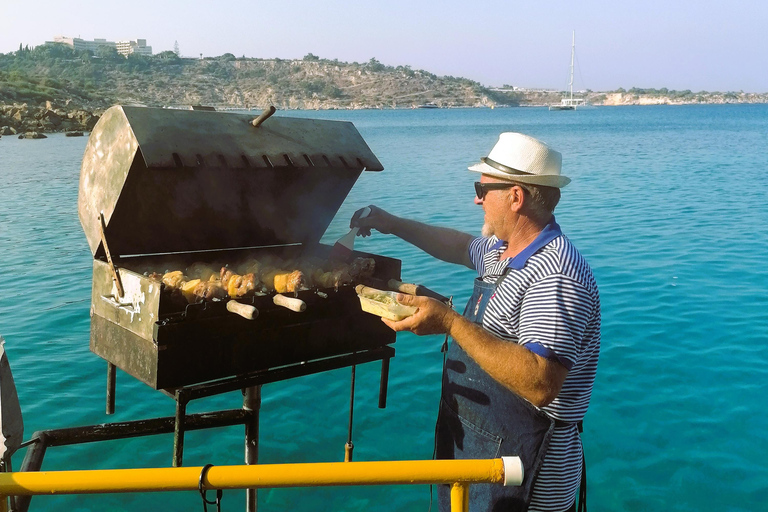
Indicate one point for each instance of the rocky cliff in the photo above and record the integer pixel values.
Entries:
(21, 119)
(53, 88)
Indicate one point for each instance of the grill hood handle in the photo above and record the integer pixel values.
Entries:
(264, 116)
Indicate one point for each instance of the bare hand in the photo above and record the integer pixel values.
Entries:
(378, 219)
(432, 317)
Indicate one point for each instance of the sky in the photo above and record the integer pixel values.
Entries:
(687, 44)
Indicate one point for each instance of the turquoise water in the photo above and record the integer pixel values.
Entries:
(667, 203)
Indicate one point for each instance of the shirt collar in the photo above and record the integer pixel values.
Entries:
(549, 233)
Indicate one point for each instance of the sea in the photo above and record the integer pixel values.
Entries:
(668, 204)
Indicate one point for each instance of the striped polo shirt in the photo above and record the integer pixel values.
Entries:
(548, 302)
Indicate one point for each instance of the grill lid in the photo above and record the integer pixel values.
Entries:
(184, 180)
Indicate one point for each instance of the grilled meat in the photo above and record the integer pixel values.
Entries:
(200, 282)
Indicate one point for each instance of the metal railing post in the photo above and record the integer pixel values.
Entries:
(460, 497)
(457, 473)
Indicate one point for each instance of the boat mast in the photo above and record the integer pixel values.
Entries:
(573, 52)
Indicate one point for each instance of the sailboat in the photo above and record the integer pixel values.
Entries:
(570, 103)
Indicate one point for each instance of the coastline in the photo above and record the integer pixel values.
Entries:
(30, 122)
(51, 89)
(18, 119)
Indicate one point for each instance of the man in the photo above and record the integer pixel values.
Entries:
(520, 368)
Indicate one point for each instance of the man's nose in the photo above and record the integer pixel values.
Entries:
(478, 201)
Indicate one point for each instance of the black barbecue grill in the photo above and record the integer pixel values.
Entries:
(175, 187)
(161, 189)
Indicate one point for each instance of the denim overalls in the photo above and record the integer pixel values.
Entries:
(481, 419)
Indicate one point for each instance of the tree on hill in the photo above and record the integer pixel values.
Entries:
(375, 65)
(167, 55)
(108, 53)
(135, 62)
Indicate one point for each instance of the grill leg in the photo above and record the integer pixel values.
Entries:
(383, 383)
(252, 403)
(349, 447)
(111, 375)
(178, 431)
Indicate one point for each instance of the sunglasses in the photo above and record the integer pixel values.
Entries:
(483, 188)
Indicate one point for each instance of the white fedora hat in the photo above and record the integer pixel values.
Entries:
(518, 157)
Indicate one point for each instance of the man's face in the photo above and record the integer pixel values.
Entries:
(496, 207)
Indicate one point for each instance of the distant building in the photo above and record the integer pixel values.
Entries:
(125, 48)
(82, 44)
(138, 46)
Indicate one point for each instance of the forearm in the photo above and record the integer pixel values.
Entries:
(442, 243)
(532, 377)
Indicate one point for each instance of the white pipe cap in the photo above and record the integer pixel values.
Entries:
(513, 470)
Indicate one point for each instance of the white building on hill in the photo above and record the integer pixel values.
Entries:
(138, 46)
(82, 44)
(125, 48)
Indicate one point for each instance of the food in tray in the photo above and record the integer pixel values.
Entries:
(244, 279)
(383, 303)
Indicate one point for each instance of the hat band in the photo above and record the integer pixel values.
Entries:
(502, 167)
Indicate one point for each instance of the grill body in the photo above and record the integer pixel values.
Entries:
(178, 187)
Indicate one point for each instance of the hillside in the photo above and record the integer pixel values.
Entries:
(53, 88)
(55, 72)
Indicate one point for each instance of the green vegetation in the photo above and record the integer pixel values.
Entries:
(56, 72)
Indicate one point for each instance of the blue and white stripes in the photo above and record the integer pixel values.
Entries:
(550, 304)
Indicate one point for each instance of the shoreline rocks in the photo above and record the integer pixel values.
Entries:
(32, 135)
(24, 119)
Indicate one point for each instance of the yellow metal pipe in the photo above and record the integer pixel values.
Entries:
(460, 497)
(254, 476)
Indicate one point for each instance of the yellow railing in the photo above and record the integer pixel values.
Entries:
(459, 473)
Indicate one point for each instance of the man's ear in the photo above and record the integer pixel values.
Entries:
(516, 198)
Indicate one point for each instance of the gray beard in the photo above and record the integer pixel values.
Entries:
(487, 230)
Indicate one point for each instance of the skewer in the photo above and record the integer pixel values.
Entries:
(244, 310)
(115, 275)
(415, 289)
(291, 303)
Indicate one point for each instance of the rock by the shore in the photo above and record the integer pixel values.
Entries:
(21, 118)
(32, 135)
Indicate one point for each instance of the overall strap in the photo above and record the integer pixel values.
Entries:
(502, 276)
